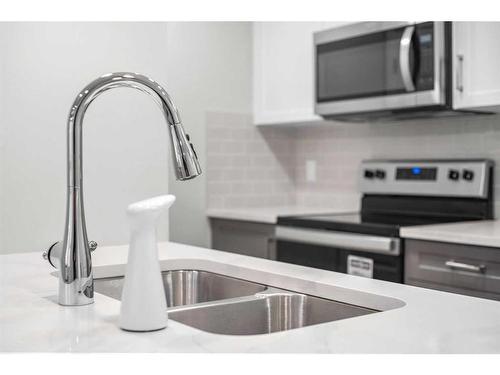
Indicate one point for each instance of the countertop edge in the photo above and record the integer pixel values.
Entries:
(476, 233)
(269, 215)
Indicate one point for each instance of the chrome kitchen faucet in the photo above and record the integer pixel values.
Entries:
(72, 255)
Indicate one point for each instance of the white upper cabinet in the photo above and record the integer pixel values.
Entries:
(476, 65)
(283, 91)
(283, 81)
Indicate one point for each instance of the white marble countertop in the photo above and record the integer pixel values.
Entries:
(270, 215)
(480, 233)
(415, 321)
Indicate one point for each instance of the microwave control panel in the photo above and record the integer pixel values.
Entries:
(424, 56)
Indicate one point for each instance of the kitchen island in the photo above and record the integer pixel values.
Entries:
(412, 320)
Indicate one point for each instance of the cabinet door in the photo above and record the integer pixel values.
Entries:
(284, 71)
(476, 62)
(242, 237)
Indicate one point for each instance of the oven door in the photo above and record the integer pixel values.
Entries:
(379, 66)
(357, 254)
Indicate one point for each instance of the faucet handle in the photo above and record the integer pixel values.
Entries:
(53, 253)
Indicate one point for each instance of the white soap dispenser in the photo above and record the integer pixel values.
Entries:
(143, 303)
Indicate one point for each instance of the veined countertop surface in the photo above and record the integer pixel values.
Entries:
(415, 320)
(270, 215)
(480, 233)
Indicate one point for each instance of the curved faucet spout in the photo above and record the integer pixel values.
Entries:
(75, 279)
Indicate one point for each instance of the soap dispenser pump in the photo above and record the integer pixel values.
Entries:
(143, 303)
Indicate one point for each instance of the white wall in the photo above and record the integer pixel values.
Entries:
(44, 65)
(210, 68)
(204, 66)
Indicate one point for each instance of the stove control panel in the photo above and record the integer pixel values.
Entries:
(454, 178)
(454, 174)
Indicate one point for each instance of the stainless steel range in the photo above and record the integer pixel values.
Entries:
(396, 193)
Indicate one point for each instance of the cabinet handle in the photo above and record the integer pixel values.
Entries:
(465, 267)
(460, 73)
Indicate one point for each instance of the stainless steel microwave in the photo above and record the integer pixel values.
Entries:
(375, 69)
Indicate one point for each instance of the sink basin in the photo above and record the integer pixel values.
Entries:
(229, 306)
(187, 287)
(265, 314)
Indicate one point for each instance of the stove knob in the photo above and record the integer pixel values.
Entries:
(380, 173)
(453, 174)
(369, 173)
(468, 175)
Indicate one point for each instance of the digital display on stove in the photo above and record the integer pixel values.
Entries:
(416, 173)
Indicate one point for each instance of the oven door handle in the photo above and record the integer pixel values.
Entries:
(404, 58)
(340, 240)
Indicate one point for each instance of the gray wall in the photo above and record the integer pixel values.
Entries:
(42, 68)
(44, 65)
(212, 62)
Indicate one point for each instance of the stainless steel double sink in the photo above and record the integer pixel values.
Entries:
(226, 305)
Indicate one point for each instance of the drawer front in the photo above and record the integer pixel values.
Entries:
(471, 268)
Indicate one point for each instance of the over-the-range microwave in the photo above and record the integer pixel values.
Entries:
(373, 70)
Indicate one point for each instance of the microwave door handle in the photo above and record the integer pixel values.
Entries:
(404, 58)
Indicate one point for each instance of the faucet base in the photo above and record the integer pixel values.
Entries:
(74, 295)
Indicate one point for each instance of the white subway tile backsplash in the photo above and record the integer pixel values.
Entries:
(256, 165)
(266, 166)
